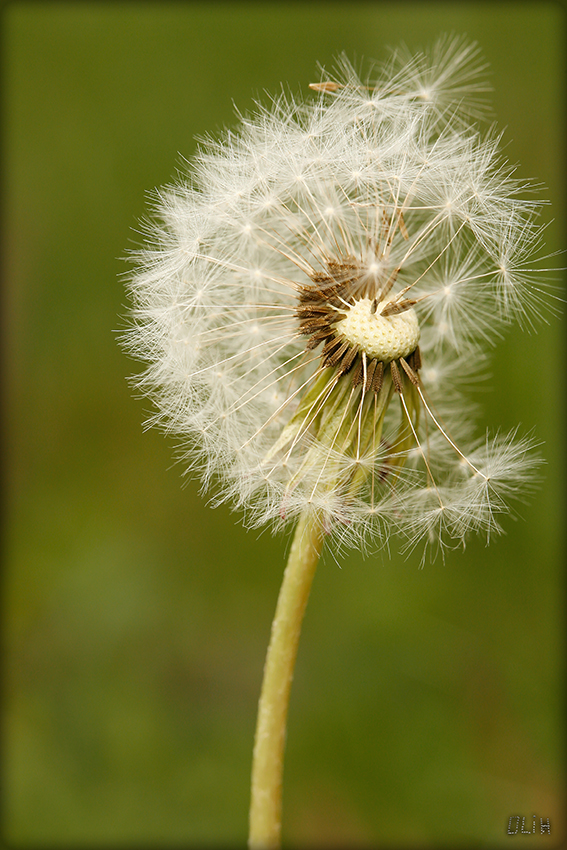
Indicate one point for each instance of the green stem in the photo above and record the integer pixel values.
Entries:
(267, 764)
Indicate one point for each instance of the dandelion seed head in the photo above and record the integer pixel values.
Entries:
(320, 292)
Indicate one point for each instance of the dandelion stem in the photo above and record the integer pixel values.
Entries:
(267, 763)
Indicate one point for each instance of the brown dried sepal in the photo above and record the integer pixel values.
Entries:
(414, 359)
(376, 377)
(396, 377)
(414, 378)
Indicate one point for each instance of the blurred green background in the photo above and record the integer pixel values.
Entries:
(427, 704)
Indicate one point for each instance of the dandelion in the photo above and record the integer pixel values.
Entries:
(325, 284)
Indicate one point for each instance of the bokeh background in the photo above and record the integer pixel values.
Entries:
(427, 704)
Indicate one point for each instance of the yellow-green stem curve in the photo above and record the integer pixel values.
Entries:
(267, 763)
